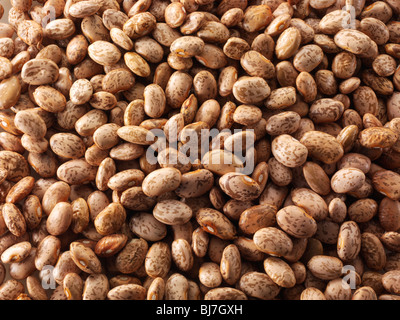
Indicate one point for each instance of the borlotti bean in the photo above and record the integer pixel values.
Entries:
(200, 150)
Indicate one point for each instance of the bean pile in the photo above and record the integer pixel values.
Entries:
(86, 214)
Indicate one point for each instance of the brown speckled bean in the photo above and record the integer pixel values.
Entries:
(176, 287)
(48, 252)
(325, 267)
(67, 145)
(289, 151)
(172, 212)
(239, 186)
(296, 222)
(96, 287)
(347, 179)
(214, 222)
(372, 251)
(59, 219)
(273, 241)
(349, 241)
(131, 256)
(158, 260)
(13, 219)
(279, 272)
(258, 285)
(10, 289)
(322, 146)
(127, 292)
(85, 258)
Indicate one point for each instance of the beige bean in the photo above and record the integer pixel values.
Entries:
(349, 85)
(135, 199)
(349, 241)
(20, 190)
(256, 18)
(187, 46)
(182, 254)
(40, 72)
(35, 289)
(67, 145)
(288, 43)
(10, 91)
(377, 137)
(131, 257)
(296, 222)
(230, 266)
(96, 287)
(148, 48)
(32, 211)
(258, 285)
(221, 162)
(225, 293)
(347, 179)
(178, 88)
(214, 222)
(161, 181)
(279, 272)
(372, 251)
(16, 252)
(307, 87)
(175, 14)
(312, 294)
(281, 98)
(48, 252)
(59, 29)
(13, 219)
(73, 286)
(59, 218)
(322, 146)
(110, 245)
(239, 186)
(156, 289)
(136, 135)
(272, 241)
(308, 58)
(250, 90)
(363, 210)
(137, 64)
(356, 42)
(325, 267)
(158, 260)
(56, 192)
(172, 212)
(49, 99)
(21, 270)
(127, 292)
(154, 101)
(64, 265)
(200, 241)
(257, 217)
(110, 219)
(390, 281)
(176, 287)
(80, 215)
(10, 289)
(85, 258)
(210, 275)
(76, 171)
(289, 151)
